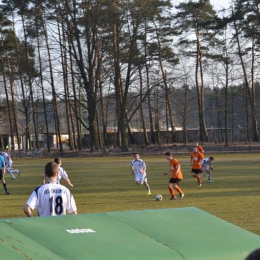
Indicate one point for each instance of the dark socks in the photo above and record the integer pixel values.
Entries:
(4, 184)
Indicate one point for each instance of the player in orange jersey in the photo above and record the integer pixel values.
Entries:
(176, 178)
(200, 149)
(195, 160)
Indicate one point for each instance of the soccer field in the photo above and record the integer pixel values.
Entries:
(105, 184)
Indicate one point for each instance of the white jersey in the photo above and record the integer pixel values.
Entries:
(8, 161)
(52, 199)
(139, 165)
(206, 164)
(62, 174)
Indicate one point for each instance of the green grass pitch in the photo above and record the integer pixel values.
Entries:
(105, 184)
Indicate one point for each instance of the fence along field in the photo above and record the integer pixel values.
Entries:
(105, 184)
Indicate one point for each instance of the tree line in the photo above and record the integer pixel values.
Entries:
(127, 60)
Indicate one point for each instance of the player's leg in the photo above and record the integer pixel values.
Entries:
(171, 190)
(178, 188)
(199, 177)
(196, 174)
(193, 173)
(147, 185)
(15, 171)
(209, 176)
(139, 179)
(10, 172)
(3, 182)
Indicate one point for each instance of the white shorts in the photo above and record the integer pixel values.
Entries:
(206, 168)
(10, 163)
(141, 178)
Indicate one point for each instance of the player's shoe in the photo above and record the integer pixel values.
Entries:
(7, 193)
(149, 193)
(181, 195)
(18, 174)
(210, 181)
(13, 178)
(173, 198)
(200, 185)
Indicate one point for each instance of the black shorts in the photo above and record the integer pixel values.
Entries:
(175, 180)
(196, 171)
(1, 174)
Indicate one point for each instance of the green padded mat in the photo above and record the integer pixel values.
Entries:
(179, 233)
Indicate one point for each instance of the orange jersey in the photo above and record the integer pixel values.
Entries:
(174, 164)
(196, 160)
(201, 150)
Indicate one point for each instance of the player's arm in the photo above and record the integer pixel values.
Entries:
(9, 154)
(170, 170)
(30, 204)
(71, 205)
(68, 181)
(143, 170)
(178, 166)
(43, 178)
(132, 168)
(27, 210)
(208, 169)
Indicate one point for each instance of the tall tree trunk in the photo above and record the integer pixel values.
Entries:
(150, 109)
(166, 89)
(103, 114)
(76, 134)
(64, 61)
(226, 103)
(185, 115)
(145, 136)
(24, 100)
(120, 109)
(54, 96)
(200, 91)
(157, 117)
(47, 134)
(251, 96)
(14, 107)
(8, 103)
(34, 119)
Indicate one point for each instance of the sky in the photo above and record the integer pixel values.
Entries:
(218, 4)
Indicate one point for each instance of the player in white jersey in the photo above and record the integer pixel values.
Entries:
(9, 163)
(51, 199)
(207, 166)
(138, 168)
(62, 173)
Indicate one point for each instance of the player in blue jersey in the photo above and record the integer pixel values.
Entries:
(9, 163)
(2, 173)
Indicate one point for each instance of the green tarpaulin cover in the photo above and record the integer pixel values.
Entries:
(162, 234)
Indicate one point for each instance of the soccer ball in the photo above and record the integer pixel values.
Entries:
(158, 197)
